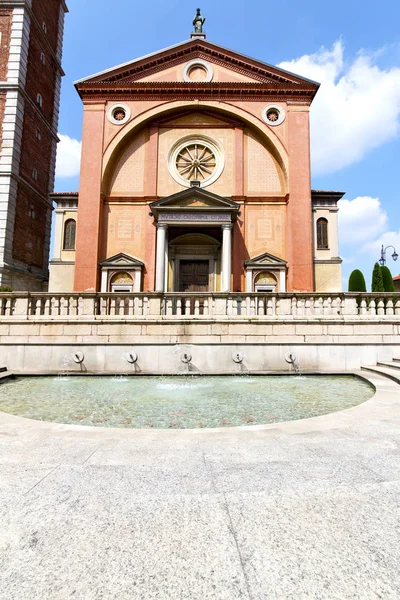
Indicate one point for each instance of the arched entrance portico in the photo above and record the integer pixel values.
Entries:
(196, 259)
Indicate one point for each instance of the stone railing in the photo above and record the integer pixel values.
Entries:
(314, 306)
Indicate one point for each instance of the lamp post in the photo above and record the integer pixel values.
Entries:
(382, 259)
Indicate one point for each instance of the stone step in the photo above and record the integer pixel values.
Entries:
(396, 359)
(2, 369)
(391, 365)
(384, 371)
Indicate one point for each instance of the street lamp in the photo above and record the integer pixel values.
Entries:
(382, 259)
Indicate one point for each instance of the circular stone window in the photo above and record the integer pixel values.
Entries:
(198, 71)
(196, 159)
(119, 114)
(273, 115)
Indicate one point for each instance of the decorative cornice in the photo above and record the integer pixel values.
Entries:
(160, 60)
(210, 91)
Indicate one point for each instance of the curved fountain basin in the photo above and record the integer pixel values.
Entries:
(180, 402)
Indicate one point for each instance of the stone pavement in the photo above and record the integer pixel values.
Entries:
(299, 510)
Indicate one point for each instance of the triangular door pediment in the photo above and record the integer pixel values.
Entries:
(266, 260)
(194, 198)
(143, 69)
(121, 260)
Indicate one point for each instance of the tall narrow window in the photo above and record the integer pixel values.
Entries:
(322, 234)
(39, 99)
(69, 235)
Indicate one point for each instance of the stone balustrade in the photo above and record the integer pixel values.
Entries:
(203, 306)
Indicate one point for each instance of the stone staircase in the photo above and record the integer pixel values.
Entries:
(391, 370)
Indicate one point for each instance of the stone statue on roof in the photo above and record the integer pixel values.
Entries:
(198, 22)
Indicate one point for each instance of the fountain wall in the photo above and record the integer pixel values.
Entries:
(38, 346)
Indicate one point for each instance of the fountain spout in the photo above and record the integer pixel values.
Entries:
(291, 359)
(186, 358)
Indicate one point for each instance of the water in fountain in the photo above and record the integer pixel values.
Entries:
(66, 363)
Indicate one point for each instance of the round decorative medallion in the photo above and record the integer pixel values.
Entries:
(195, 158)
(273, 115)
(198, 71)
(119, 114)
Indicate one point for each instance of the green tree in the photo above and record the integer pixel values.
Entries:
(357, 282)
(388, 284)
(377, 279)
(5, 288)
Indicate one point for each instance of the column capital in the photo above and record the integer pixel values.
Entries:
(162, 226)
(226, 226)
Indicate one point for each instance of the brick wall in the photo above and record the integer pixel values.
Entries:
(47, 11)
(5, 31)
(30, 228)
(35, 153)
(41, 77)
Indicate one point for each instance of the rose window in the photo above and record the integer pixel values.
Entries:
(272, 115)
(196, 159)
(119, 114)
(196, 162)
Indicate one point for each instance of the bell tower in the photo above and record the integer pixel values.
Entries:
(31, 38)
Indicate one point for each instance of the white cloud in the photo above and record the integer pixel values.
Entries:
(361, 220)
(363, 229)
(356, 109)
(68, 156)
(389, 238)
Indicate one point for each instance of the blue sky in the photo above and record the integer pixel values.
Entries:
(354, 52)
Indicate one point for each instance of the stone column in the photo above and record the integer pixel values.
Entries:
(160, 257)
(249, 280)
(226, 258)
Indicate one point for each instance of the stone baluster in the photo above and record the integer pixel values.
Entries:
(206, 307)
(380, 307)
(397, 307)
(187, 307)
(293, 311)
(112, 306)
(363, 310)
(260, 307)
(63, 306)
(389, 307)
(131, 306)
(372, 307)
(197, 307)
(252, 306)
(179, 307)
(73, 303)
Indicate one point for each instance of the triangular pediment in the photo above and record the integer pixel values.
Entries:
(121, 260)
(195, 198)
(266, 260)
(146, 68)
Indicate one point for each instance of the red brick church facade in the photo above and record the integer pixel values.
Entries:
(195, 176)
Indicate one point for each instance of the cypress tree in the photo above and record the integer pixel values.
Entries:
(377, 279)
(388, 284)
(357, 282)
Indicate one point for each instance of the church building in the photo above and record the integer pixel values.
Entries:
(195, 177)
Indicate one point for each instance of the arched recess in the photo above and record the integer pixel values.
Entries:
(197, 247)
(121, 139)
